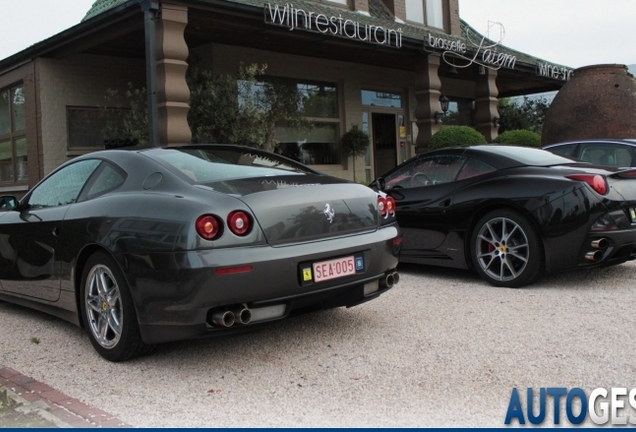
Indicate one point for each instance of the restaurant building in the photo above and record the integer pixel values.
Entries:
(381, 66)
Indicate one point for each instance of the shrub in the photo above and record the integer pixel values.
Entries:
(520, 137)
(454, 136)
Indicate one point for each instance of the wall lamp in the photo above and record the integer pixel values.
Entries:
(495, 121)
(443, 103)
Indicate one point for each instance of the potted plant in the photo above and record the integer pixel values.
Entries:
(354, 143)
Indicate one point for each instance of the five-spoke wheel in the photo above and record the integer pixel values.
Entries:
(108, 311)
(103, 306)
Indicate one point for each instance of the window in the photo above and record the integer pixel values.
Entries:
(426, 171)
(319, 143)
(13, 143)
(87, 126)
(381, 99)
(605, 154)
(318, 146)
(64, 186)
(473, 168)
(108, 179)
(426, 12)
(564, 150)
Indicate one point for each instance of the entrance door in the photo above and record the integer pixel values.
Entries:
(385, 142)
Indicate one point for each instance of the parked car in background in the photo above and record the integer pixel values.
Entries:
(620, 153)
(512, 213)
(142, 246)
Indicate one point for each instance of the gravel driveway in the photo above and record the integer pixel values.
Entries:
(442, 348)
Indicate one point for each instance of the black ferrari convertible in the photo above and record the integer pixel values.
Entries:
(511, 213)
(142, 246)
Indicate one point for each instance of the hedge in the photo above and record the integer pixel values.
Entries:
(455, 136)
(520, 137)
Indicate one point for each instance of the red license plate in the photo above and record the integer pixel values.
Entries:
(333, 269)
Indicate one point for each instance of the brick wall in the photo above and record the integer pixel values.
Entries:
(455, 24)
(81, 80)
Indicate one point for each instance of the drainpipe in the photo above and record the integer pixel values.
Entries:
(151, 11)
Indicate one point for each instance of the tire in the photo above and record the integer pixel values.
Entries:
(506, 250)
(108, 311)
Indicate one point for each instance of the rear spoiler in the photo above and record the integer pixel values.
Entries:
(629, 173)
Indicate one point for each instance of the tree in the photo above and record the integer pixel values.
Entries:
(528, 115)
(127, 125)
(355, 143)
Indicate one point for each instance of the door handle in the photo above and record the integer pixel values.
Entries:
(445, 203)
(56, 232)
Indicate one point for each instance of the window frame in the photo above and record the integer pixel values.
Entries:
(81, 191)
(316, 119)
(109, 115)
(12, 137)
(426, 19)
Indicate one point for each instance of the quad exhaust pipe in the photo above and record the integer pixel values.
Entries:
(227, 317)
(600, 245)
(391, 279)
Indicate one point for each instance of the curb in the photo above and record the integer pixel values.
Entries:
(52, 405)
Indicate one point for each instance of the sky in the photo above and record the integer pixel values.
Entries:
(571, 33)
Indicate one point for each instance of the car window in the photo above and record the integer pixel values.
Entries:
(108, 179)
(606, 154)
(563, 150)
(212, 165)
(426, 171)
(64, 186)
(474, 167)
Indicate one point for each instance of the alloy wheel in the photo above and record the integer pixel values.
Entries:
(104, 306)
(502, 249)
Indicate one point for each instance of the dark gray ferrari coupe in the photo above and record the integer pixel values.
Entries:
(143, 246)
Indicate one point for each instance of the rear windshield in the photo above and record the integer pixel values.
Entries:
(204, 165)
(528, 155)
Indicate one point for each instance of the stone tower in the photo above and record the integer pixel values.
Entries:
(597, 102)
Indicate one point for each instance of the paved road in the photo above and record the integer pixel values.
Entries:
(442, 348)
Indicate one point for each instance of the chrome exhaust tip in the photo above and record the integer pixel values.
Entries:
(396, 278)
(243, 315)
(594, 255)
(601, 243)
(223, 318)
(389, 281)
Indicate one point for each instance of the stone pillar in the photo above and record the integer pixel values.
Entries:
(486, 93)
(360, 5)
(427, 92)
(397, 8)
(173, 93)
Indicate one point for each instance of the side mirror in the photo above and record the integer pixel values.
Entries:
(8, 202)
(379, 184)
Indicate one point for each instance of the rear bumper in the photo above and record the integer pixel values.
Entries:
(175, 293)
(597, 249)
(607, 248)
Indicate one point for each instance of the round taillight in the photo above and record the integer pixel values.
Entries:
(208, 227)
(239, 223)
(390, 205)
(382, 205)
(599, 184)
(597, 181)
